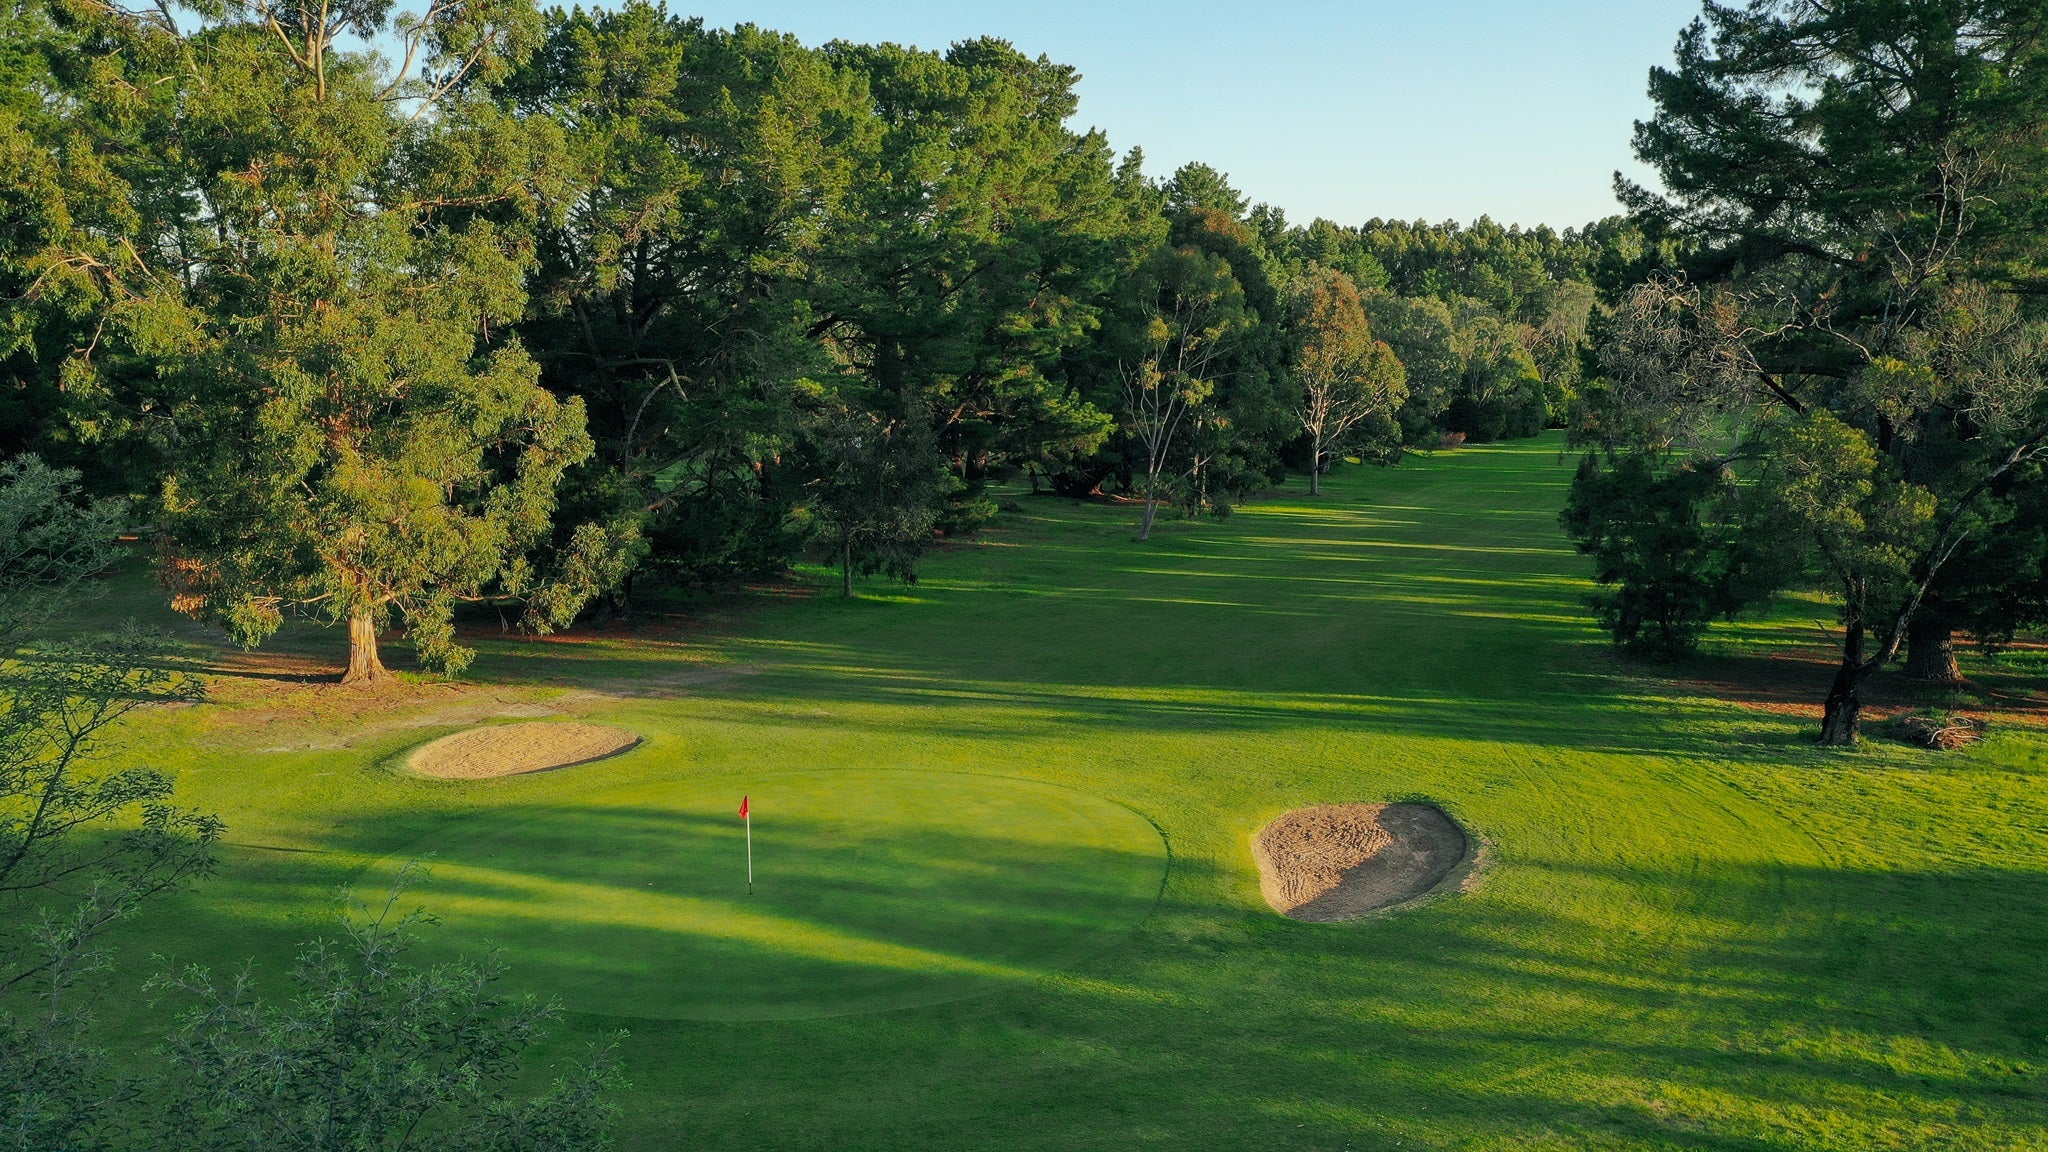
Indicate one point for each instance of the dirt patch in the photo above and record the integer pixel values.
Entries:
(513, 749)
(1339, 861)
(1793, 679)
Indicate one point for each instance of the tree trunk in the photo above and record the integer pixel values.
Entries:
(364, 667)
(846, 568)
(1151, 509)
(1844, 708)
(1315, 468)
(1931, 650)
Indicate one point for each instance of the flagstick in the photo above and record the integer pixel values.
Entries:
(750, 852)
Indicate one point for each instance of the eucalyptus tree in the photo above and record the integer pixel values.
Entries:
(1423, 334)
(1351, 384)
(1865, 187)
(1189, 310)
(1250, 416)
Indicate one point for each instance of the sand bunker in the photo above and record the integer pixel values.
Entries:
(512, 749)
(1344, 860)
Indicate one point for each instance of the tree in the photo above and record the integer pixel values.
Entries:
(1825, 481)
(1663, 551)
(1864, 187)
(1424, 337)
(81, 848)
(1198, 187)
(357, 435)
(371, 1053)
(1347, 377)
(1500, 395)
(876, 499)
(1995, 585)
(1190, 308)
(708, 171)
(53, 541)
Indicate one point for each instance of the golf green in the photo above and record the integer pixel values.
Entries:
(873, 890)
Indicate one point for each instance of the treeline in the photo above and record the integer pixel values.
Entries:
(533, 306)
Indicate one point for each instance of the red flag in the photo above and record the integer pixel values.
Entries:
(743, 807)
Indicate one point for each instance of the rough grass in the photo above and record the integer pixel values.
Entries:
(1695, 930)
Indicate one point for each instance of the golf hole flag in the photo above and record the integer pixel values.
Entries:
(746, 814)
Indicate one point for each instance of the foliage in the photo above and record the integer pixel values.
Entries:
(1666, 549)
(1864, 191)
(53, 541)
(1492, 322)
(81, 846)
(1189, 308)
(353, 435)
(705, 174)
(1351, 383)
(875, 504)
(372, 1053)
(1424, 337)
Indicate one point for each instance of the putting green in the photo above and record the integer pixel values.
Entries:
(873, 890)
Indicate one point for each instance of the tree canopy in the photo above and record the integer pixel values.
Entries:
(1855, 341)
(374, 314)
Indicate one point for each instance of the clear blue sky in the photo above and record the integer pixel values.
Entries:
(1430, 109)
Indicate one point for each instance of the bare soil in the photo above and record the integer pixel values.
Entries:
(1340, 861)
(1794, 680)
(513, 749)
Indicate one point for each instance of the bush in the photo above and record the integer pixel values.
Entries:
(1667, 559)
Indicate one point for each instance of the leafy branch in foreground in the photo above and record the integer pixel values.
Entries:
(371, 1053)
(102, 841)
(80, 850)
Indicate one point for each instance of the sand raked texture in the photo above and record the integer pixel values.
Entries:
(512, 749)
(1338, 861)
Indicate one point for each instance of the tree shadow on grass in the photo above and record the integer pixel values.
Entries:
(1724, 1007)
(645, 910)
(1818, 1009)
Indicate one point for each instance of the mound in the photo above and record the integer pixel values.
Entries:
(1344, 860)
(511, 749)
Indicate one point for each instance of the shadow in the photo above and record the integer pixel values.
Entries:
(1806, 1008)
(642, 907)
(1722, 1007)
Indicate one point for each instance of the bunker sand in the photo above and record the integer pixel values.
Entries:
(515, 749)
(1340, 861)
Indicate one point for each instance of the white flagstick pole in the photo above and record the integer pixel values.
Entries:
(750, 850)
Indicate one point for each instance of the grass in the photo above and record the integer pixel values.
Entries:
(1693, 931)
(873, 891)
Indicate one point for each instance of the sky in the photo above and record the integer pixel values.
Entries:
(1404, 109)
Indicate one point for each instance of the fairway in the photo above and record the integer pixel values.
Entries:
(873, 890)
(1693, 929)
